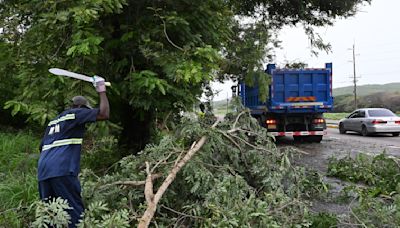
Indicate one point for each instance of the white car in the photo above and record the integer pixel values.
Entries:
(369, 121)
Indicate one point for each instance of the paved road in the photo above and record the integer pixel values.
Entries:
(386, 140)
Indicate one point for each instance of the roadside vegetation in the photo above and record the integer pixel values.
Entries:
(18, 185)
(345, 103)
(335, 116)
(230, 164)
(374, 195)
(153, 162)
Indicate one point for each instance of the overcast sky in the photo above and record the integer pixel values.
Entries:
(375, 31)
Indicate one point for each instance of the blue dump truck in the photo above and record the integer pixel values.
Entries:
(296, 102)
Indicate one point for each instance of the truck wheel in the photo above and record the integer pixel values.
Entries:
(297, 138)
(315, 138)
(341, 129)
(364, 131)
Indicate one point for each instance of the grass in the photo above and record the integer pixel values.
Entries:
(336, 116)
(18, 152)
(18, 187)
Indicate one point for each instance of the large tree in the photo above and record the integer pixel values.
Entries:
(157, 54)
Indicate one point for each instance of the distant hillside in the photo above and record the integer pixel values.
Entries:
(345, 103)
(368, 89)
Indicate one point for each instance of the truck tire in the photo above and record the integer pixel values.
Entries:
(313, 138)
(298, 138)
(316, 138)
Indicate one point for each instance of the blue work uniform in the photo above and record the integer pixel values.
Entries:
(59, 161)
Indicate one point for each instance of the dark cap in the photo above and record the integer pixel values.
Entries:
(81, 101)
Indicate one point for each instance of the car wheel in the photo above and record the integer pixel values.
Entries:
(396, 134)
(364, 131)
(341, 129)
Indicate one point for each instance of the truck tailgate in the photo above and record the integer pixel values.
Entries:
(294, 91)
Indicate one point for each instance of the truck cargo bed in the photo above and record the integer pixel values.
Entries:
(293, 91)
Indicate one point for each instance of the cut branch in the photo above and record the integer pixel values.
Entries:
(237, 119)
(132, 183)
(249, 144)
(230, 139)
(152, 204)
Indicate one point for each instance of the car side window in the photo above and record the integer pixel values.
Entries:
(361, 114)
(353, 115)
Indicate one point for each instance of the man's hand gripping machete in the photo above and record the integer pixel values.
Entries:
(61, 72)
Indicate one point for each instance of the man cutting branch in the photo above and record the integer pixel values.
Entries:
(59, 161)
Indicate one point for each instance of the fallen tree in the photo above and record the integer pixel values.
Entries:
(230, 174)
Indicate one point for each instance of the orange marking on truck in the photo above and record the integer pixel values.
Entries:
(296, 99)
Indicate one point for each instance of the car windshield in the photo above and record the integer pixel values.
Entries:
(380, 113)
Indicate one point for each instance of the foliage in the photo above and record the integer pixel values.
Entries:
(18, 186)
(262, 81)
(379, 172)
(93, 217)
(18, 158)
(52, 213)
(322, 219)
(295, 65)
(308, 13)
(100, 154)
(377, 212)
(228, 183)
(378, 202)
(245, 55)
(158, 55)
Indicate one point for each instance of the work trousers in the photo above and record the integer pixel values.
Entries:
(66, 187)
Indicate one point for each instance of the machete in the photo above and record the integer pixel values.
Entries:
(61, 72)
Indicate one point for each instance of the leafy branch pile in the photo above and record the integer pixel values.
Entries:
(380, 172)
(237, 178)
(378, 200)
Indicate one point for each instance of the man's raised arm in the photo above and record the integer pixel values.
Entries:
(104, 109)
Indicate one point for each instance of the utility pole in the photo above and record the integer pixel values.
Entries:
(227, 102)
(354, 76)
